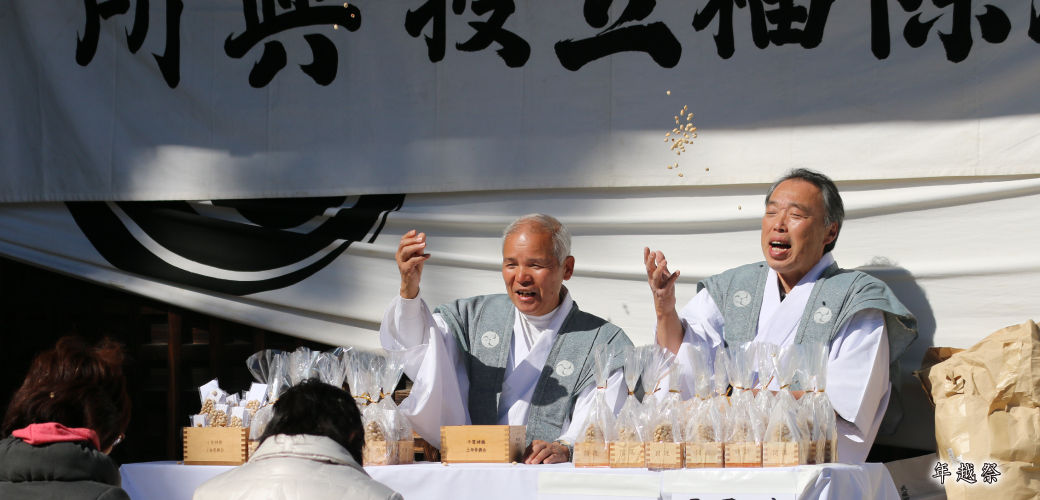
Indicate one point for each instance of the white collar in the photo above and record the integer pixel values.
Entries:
(306, 446)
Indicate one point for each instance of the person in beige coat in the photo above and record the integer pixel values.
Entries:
(310, 450)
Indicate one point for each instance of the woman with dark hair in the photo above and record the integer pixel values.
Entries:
(310, 449)
(62, 423)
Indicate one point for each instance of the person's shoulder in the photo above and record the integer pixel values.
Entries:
(582, 320)
(472, 305)
(723, 279)
(858, 281)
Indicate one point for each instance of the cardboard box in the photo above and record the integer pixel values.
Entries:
(483, 444)
(215, 445)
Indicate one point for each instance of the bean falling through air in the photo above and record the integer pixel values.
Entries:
(683, 134)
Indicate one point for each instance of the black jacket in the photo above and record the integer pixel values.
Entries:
(66, 471)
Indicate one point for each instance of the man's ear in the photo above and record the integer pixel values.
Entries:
(568, 268)
(832, 233)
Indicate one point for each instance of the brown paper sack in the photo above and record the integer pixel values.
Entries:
(986, 411)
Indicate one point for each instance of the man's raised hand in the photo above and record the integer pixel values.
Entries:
(662, 286)
(410, 258)
(662, 283)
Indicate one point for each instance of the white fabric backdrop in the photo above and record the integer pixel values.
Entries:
(393, 122)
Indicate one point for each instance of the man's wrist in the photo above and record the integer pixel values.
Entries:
(566, 446)
(408, 293)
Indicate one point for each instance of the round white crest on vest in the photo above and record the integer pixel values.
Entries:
(489, 339)
(564, 368)
(822, 315)
(741, 298)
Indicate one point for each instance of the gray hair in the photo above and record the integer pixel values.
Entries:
(560, 237)
(833, 207)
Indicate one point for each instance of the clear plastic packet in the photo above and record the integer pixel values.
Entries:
(592, 448)
(219, 416)
(787, 436)
(200, 420)
(823, 411)
(402, 451)
(210, 395)
(703, 432)
(239, 417)
(232, 400)
(302, 366)
(744, 441)
(720, 379)
(364, 372)
(270, 368)
(765, 359)
(331, 368)
(664, 451)
(255, 398)
(627, 449)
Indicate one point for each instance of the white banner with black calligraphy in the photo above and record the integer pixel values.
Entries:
(258, 160)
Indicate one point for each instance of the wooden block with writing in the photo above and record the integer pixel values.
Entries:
(830, 451)
(776, 454)
(377, 453)
(591, 455)
(743, 454)
(627, 455)
(215, 445)
(705, 455)
(484, 444)
(405, 452)
(664, 456)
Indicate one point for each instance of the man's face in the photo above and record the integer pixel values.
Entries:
(534, 279)
(793, 232)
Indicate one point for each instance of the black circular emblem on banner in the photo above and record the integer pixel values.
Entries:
(267, 245)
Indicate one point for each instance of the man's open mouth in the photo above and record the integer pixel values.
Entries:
(525, 294)
(779, 245)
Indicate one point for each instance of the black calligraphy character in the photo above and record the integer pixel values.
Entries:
(783, 18)
(514, 50)
(994, 25)
(942, 471)
(1034, 23)
(324, 66)
(966, 473)
(989, 472)
(169, 63)
(724, 10)
(432, 10)
(655, 39)
(787, 13)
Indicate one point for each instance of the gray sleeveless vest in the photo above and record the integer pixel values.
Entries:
(837, 295)
(567, 371)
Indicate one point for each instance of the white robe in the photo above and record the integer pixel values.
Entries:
(440, 390)
(857, 371)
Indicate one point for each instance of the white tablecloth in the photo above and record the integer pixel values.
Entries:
(170, 481)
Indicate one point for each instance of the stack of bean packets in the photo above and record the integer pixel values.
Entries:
(748, 405)
(388, 434)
